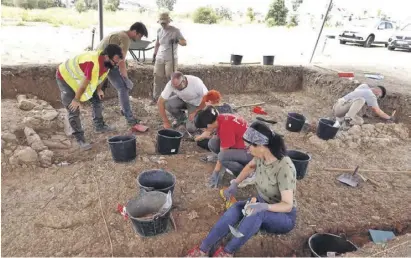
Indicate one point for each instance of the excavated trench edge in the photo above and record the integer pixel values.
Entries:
(359, 237)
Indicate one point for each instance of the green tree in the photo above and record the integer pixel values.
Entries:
(296, 4)
(26, 4)
(205, 15)
(166, 4)
(250, 14)
(112, 5)
(278, 12)
(293, 21)
(80, 6)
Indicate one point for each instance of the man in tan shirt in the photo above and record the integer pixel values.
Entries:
(118, 76)
(168, 37)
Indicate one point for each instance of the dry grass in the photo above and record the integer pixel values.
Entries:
(70, 17)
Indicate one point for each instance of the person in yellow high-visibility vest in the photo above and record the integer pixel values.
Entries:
(79, 79)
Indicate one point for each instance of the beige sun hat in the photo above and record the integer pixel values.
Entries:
(164, 17)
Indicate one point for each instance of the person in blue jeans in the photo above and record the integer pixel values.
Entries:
(275, 210)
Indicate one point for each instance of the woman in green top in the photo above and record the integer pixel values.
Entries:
(275, 209)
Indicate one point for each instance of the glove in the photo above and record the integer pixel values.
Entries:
(232, 190)
(257, 207)
(213, 181)
(173, 41)
(154, 58)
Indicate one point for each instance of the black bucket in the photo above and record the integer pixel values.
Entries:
(236, 59)
(300, 160)
(325, 129)
(168, 141)
(295, 122)
(320, 244)
(156, 180)
(141, 211)
(268, 60)
(123, 148)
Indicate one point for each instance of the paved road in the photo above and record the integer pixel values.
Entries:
(209, 44)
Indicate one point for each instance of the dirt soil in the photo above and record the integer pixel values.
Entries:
(55, 211)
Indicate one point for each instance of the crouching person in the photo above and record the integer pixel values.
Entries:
(347, 108)
(275, 209)
(182, 92)
(79, 80)
(228, 143)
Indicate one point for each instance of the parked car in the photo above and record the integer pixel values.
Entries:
(401, 39)
(368, 32)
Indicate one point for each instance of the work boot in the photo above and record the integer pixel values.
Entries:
(133, 122)
(84, 145)
(346, 124)
(101, 127)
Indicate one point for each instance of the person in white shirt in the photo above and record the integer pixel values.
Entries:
(188, 95)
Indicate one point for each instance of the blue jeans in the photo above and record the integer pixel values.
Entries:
(118, 82)
(272, 222)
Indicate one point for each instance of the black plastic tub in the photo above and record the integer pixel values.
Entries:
(321, 244)
(300, 160)
(123, 148)
(168, 141)
(295, 122)
(156, 180)
(236, 59)
(140, 212)
(326, 130)
(268, 60)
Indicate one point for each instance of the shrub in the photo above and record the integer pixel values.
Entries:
(278, 12)
(26, 4)
(205, 15)
(80, 6)
(250, 14)
(270, 22)
(112, 5)
(293, 21)
(224, 13)
(7, 2)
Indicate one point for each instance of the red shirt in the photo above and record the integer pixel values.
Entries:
(231, 129)
(87, 68)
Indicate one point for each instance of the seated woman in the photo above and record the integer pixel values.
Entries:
(212, 98)
(275, 209)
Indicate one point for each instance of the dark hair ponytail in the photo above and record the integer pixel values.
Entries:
(276, 143)
(276, 146)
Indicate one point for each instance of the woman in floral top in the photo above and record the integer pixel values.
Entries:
(275, 209)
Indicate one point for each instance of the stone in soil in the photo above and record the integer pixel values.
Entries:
(8, 137)
(24, 103)
(24, 155)
(46, 157)
(33, 139)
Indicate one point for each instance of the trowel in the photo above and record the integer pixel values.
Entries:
(350, 179)
(246, 212)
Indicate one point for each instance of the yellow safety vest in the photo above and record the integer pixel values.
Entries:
(73, 75)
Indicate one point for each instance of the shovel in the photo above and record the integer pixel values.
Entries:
(350, 179)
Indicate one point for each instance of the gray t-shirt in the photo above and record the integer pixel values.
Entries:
(164, 36)
(363, 91)
(192, 94)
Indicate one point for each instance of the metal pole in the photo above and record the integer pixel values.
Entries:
(321, 30)
(100, 17)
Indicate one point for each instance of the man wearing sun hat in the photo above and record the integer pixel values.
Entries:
(168, 37)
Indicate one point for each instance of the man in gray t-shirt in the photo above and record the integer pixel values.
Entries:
(347, 108)
(168, 39)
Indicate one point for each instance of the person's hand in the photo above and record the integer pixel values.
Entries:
(154, 58)
(192, 116)
(74, 105)
(100, 93)
(390, 120)
(213, 181)
(173, 41)
(167, 125)
(232, 190)
(257, 207)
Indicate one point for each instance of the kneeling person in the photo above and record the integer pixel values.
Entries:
(228, 144)
(189, 91)
(80, 79)
(347, 108)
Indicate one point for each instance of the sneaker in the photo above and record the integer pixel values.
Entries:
(84, 145)
(104, 128)
(196, 252)
(210, 158)
(221, 253)
(248, 181)
(133, 122)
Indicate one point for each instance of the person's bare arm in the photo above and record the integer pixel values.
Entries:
(182, 42)
(380, 113)
(161, 104)
(247, 170)
(156, 47)
(286, 204)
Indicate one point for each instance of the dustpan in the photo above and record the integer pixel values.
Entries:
(350, 179)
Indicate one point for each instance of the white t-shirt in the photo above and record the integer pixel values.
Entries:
(192, 94)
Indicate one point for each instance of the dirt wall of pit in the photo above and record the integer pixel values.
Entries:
(39, 80)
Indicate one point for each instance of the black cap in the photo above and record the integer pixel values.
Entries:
(205, 117)
(383, 91)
